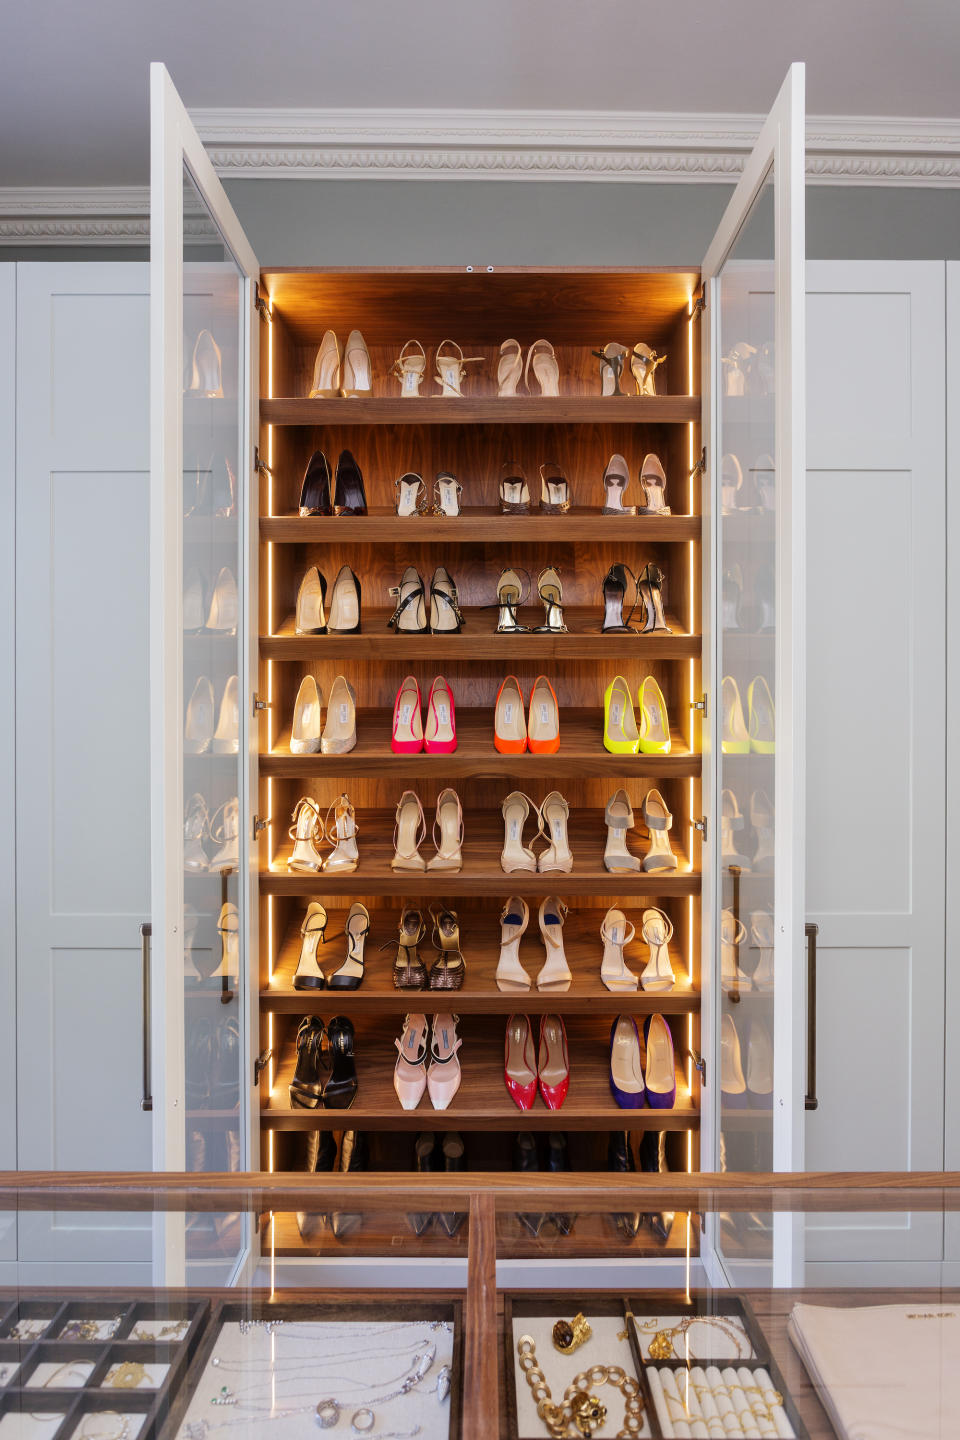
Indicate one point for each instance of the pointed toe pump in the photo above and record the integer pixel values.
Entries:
(619, 583)
(407, 737)
(555, 972)
(206, 372)
(510, 596)
(444, 1074)
(449, 968)
(653, 486)
(340, 730)
(305, 730)
(515, 855)
(448, 833)
(306, 1087)
(644, 364)
(542, 360)
(357, 370)
(733, 1085)
(620, 734)
(315, 490)
(198, 726)
(554, 814)
(344, 857)
(306, 832)
(349, 975)
(657, 930)
(762, 717)
(658, 821)
(226, 737)
(451, 363)
(228, 931)
(410, 494)
(349, 496)
(619, 819)
(654, 720)
(326, 369)
(554, 490)
(553, 1062)
(445, 614)
(440, 733)
(447, 492)
(410, 616)
(308, 975)
(612, 358)
(514, 919)
(409, 368)
(340, 1090)
(550, 589)
(224, 605)
(626, 1069)
(509, 369)
(735, 738)
(344, 616)
(513, 490)
(650, 593)
(732, 934)
(510, 719)
(409, 971)
(616, 932)
(659, 1074)
(409, 832)
(311, 614)
(410, 1071)
(620, 1161)
(543, 729)
(519, 1067)
(616, 478)
(731, 824)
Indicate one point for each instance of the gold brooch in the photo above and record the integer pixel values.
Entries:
(588, 1413)
(661, 1346)
(569, 1335)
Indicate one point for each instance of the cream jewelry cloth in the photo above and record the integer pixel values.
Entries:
(884, 1372)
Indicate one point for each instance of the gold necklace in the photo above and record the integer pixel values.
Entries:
(581, 1413)
(661, 1347)
(99, 1434)
(128, 1376)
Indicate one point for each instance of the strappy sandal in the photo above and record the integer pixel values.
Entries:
(224, 831)
(448, 833)
(509, 368)
(445, 614)
(544, 362)
(443, 1076)
(344, 856)
(644, 363)
(349, 975)
(306, 832)
(653, 483)
(449, 968)
(510, 597)
(614, 590)
(409, 971)
(409, 833)
(450, 368)
(411, 493)
(410, 369)
(410, 616)
(657, 929)
(410, 1071)
(446, 494)
(650, 591)
(514, 491)
(554, 490)
(550, 589)
(611, 359)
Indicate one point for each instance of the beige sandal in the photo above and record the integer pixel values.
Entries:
(448, 833)
(555, 973)
(644, 363)
(658, 821)
(541, 356)
(510, 368)
(514, 919)
(450, 368)
(326, 369)
(616, 931)
(657, 929)
(410, 369)
(619, 818)
(357, 370)
(515, 855)
(409, 833)
(554, 814)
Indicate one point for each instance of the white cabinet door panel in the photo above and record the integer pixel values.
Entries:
(951, 1157)
(8, 787)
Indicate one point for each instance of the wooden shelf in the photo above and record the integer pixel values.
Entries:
(482, 1102)
(480, 938)
(581, 754)
(481, 873)
(478, 524)
(523, 410)
(479, 640)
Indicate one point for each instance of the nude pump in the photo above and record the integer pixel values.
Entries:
(326, 369)
(305, 730)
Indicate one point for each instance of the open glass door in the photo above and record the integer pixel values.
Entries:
(753, 362)
(203, 358)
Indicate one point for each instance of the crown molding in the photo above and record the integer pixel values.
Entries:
(592, 146)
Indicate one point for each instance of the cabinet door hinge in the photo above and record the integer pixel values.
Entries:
(261, 302)
(701, 464)
(700, 1065)
(259, 704)
(259, 825)
(701, 705)
(260, 466)
(701, 825)
(261, 1063)
(699, 303)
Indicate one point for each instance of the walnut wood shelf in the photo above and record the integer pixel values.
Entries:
(482, 1102)
(480, 939)
(479, 640)
(581, 754)
(523, 410)
(478, 525)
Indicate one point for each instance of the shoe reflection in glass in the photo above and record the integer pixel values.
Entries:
(206, 371)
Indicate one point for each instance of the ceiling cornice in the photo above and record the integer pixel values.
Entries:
(593, 146)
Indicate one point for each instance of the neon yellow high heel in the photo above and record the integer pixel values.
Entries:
(736, 738)
(762, 717)
(620, 734)
(654, 720)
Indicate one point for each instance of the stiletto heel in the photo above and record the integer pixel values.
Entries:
(551, 594)
(225, 832)
(658, 821)
(554, 490)
(653, 484)
(349, 495)
(555, 972)
(410, 369)
(644, 363)
(344, 614)
(542, 358)
(509, 368)
(410, 493)
(409, 833)
(315, 490)
(659, 1072)
(620, 735)
(650, 591)
(311, 616)
(308, 975)
(510, 597)
(410, 1071)
(732, 935)
(543, 730)
(340, 731)
(762, 717)
(307, 833)
(515, 855)
(450, 368)
(626, 1071)
(445, 614)
(616, 932)
(448, 833)
(554, 813)
(443, 1076)
(407, 737)
(410, 616)
(440, 734)
(657, 930)
(228, 928)
(509, 719)
(654, 720)
(619, 818)
(409, 971)
(449, 968)
(611, 359)
(357, 370)
(344, 857)
(306, 1087)
(350, 973)
(326, 369)
(731, 822)
(615, 590)
(340, 1090)
(514, 919)
(206, 372)
(447, 491)
(616, 478)
(553, 1062)
(305, 730)
(519, 1067)
(514, 491)
(224, 605)
(226, 737)
(735, 737)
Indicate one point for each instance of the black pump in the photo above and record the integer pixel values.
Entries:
(340, 1090)
(620, 1160)
(525, 1157)
(315, 491)
(349, 496)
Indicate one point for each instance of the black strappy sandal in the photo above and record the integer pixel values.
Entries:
(306, 1087)
(611, 358)
(443, 604)
(340, 1091)
(615, 590)
(510, 597)
(409, 592)
(650, 591)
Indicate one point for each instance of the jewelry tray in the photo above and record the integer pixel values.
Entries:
(145, 1406)
(549, 1306)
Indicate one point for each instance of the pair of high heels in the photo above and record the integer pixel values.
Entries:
(752, 1089)
(357, 378)
(753, 493)
(647, 592)
(349, 495)
(338, 735)
(206, 369)
(410, 368)
(526, 1159)
(412, 1076)
(648, 1079)
(319, 1156)
(221, 615)
(620, 733)
(210, 488)
(410, 615)
(431, 1153)
(343, 617)
(410, 831)
(749, 369)
(513, 734)
(653, 487)
(616, 932)
(548, 1072)
(514, 491)
(644, 363)
(199, 733)
(411, 494)
(222, 828)
(652, 1160)
(308, 831)
(551, 821)
(326, 1073)
(741, 736)
(733, 932)
(541, 358)
(619, 819)
(449, 967)
(409, 735)
(349, 975)
(732, 823)
(555, 973)
(511, 596)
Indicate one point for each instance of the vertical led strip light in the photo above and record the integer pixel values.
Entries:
(270, 935)
(691, 796)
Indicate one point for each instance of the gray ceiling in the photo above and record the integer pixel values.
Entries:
(74, 87)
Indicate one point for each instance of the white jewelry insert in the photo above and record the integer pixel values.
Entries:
(603, 1348)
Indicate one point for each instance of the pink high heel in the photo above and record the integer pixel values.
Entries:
(407, 737)
(441, 733)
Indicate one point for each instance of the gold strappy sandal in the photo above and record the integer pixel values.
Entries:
(410, 369)
(450, 367)
(644, 363)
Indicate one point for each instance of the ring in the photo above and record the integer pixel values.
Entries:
(362, 1421)
(328, 1413)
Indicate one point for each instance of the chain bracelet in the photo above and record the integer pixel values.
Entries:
(581, 1412)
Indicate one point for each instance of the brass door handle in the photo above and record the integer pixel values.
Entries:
(146, 931)
(810, 1101)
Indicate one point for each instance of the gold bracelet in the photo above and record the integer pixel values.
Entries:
(581, 1413)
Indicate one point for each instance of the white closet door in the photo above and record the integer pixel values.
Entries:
(82, 806)
(876, 737)
(8, 973)
(951, 1158)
